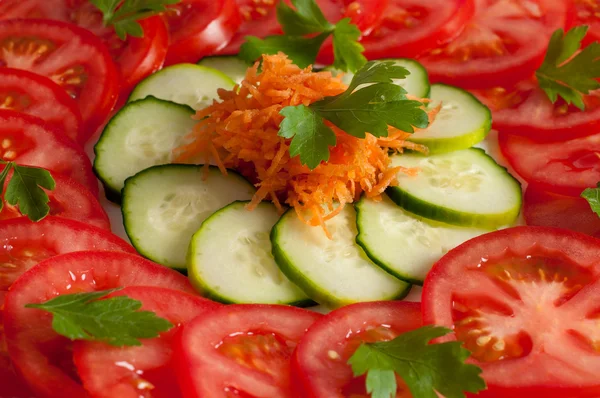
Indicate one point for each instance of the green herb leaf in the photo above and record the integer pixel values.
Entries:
(307, 18)
(425, 368)
(377, 72)
(347, 50)
(300, 49)
(592, 195)
(25, 190)
(566, 72)
(116, 320)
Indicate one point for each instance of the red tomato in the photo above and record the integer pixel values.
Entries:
(240, 350)
(110, 372)
(587, 12)
(412, 27)
(40, 355)
(200, 27)
(68, 199)
(524, 301)
(319, 364)
(566, 167)
(71, 56)
(504, 43)
(547, 209)
(29, 141)
(39, 96)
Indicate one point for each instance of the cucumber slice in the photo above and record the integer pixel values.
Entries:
(417, 83)
(188, 84)
(466, 188)
(142, 134)
(333, 272)
(462, 122)
(230, 65)
(163, 206)
(403, 244)
(230, 258)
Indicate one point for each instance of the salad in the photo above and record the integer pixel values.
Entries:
(299, 198)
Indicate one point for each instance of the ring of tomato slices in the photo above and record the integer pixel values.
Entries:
(524, 300)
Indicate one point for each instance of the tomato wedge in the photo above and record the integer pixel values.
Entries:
(27, 140)
(547, 209)
(69, 55)
(200, 27)
(566, 167)
(39, 96)
(319, 364)
(40, 355)
(504, 43)
(525, 302)
(126, 372)
(240, 350)
(412, 27)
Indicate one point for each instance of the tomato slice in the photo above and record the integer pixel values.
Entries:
(200, 27)
(587, 12)
(40, 355)
(39, 96)
(504, 43)
(412, 27)
(319, 364)
(69, 55)
(547, 209)
(240, 350)
(566, 167)
(27, 140)
(524, 300)
(145, 371)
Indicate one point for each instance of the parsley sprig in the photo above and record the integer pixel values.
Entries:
(305, 30)
(592, 195)
(125, 14)
(371, 103)
(25, 189)
(115, 320)
(568, 70)
(425, 368)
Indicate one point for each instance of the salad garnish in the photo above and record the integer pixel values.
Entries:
(570, 71)
(25, 189)
(305, 30)
(425, 368)
(592, 195)
(116, 321)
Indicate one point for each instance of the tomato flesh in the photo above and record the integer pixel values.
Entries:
(523, 298)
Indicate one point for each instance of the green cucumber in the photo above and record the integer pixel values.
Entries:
(230, 65)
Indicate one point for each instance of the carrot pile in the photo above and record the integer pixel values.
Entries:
(239, 131)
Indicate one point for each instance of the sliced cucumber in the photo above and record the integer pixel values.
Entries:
(462, 122)
(142, 134)
(230, 65)
(333, 272)
(188, 84)
(403, 244)
(466, 188)
(230, 258)
(417, 83)
(163, 206)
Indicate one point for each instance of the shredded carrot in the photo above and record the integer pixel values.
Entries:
(239, 131)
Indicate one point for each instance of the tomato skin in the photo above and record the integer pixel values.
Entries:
(314, 373)
(214, 24)
(195, 353)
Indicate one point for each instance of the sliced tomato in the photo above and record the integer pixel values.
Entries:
(240, 350)
(109, 372)
(504, 43)
(319, 364)
(40, 355)
(28, 140)
(200, 27)
(547, 209)
(39, 96)
(69, 55)
(566, 167)
(587, 12)
(525, 302)
(69, 199)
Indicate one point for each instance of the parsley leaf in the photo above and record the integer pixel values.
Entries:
(425, 368)
(301, 49)
(306, 19)
(347, 51)
(568, 72)
(24, 189)
(116, 320)
(592, 195)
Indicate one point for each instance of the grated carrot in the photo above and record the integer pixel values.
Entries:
(240, 130)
